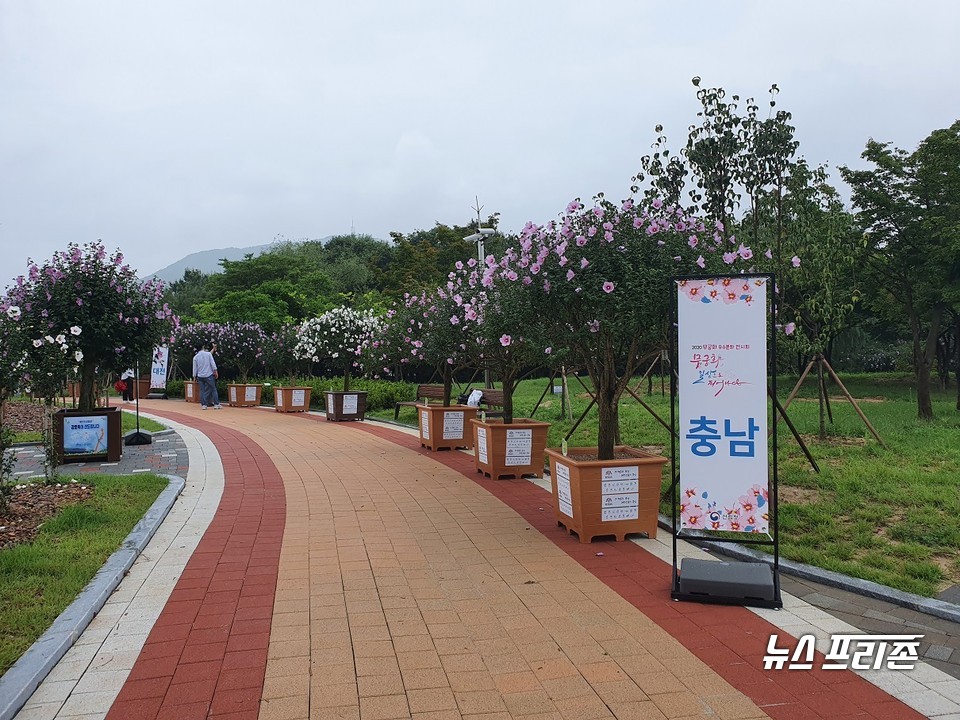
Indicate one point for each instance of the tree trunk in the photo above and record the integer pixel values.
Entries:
(346, 377)
(956, 351)
(605, 386)
(821, 395)
(88, 387)
(447, 383)
(508, 383)
(923, 360)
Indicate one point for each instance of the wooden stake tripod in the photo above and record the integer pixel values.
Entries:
(822, 365)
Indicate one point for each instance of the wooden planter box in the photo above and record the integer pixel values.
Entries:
(244, 395)
(291, 399)
(606, 497)
(82, 436)
(191, 391)
(509, 450)
(343, 406)
(446, 427)
(142, 388)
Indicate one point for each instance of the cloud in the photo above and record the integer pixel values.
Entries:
(165, 129)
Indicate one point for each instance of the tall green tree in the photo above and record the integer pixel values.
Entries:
(424, 258)
(909, 205)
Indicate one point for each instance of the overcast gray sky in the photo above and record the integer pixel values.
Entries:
(165, 128)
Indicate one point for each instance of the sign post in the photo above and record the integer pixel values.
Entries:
(722, 483)
(158, 373)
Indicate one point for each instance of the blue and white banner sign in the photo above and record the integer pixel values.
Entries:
(158, 373)
(722, 345)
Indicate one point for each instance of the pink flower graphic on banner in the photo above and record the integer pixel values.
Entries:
(693, 290)
(693, 517)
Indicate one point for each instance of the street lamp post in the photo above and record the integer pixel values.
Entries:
(478, 237)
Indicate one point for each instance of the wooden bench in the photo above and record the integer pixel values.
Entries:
(427, 392)
(492, 399)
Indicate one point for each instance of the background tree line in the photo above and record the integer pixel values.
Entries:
(871, 287)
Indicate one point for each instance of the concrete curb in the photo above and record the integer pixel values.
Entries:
(929, 606)
(20, 681)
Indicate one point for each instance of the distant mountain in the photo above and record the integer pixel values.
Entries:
(206, 261)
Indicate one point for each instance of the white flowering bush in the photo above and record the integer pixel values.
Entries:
(341, 335)
(39, 365)
(13, 350)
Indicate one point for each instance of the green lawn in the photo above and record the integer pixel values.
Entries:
(889, 515)
(40, 579)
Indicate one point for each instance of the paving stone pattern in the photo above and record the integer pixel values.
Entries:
(348, 573)
(167, 455)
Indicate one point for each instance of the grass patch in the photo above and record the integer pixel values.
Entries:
(128, 420)
(39, 580)
(891, 515)
(28, 437)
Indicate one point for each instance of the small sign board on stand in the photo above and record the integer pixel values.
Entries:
(723, 487)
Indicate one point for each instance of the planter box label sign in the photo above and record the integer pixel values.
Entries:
(298, 398)
(233, 394)
(625, 500)
(452, 424)
(189, 389)
(631, 472)
(425, 424)
(558, 389)
(519, 447)
(614, 487)
(85, 435)
(563, 490)
(349, 404)
(620, 513)
(620, 493)
(722, 345)
(482, 445)
(250, 393)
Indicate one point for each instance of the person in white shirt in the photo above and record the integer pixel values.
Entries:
(129, 380)
(205, 373)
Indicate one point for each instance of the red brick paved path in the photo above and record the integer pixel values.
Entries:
(207, 653)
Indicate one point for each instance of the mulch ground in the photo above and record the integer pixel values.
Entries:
(23, 416)
(29, 506)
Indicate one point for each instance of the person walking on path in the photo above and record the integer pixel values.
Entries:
(128, 379)
(205, 373)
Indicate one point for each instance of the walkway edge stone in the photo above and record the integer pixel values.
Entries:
(929, 606)
(23, 678)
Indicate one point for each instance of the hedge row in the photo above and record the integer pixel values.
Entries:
(381, 394)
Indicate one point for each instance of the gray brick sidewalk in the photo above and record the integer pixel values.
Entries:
(941, 642)
(166, 456)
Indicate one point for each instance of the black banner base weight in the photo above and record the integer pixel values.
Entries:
(727, 583)
(137, 437)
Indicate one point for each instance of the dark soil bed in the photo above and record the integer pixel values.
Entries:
(30, 506)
